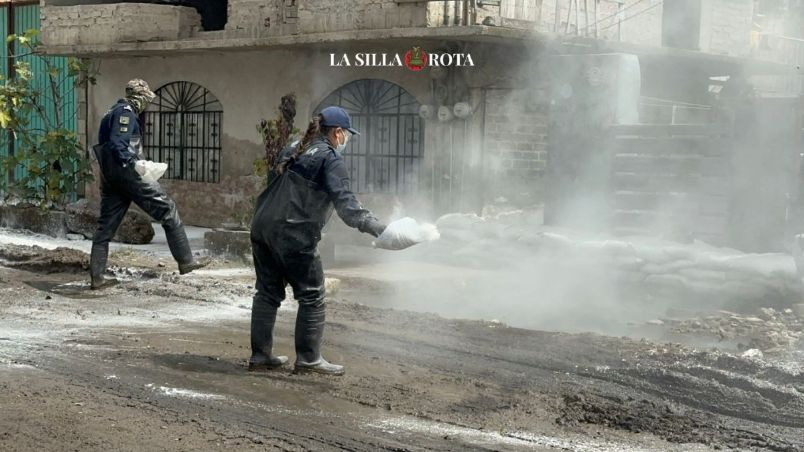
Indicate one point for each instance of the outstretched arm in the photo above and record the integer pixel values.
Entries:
(337, 184)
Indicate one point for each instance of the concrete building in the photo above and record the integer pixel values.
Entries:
(421, 147)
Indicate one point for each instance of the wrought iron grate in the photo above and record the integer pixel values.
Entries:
(387, 156)
(183, 129)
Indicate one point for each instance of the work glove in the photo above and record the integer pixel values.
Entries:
(374, 227)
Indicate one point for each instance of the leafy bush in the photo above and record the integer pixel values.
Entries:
(35, 118)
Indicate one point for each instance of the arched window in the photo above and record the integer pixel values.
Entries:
(387, 156)
(183, 129)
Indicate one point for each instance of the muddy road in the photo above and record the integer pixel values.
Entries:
(158, 363)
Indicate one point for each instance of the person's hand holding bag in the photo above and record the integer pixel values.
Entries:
(404, 233)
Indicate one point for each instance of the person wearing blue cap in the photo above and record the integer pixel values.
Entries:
(309, 180)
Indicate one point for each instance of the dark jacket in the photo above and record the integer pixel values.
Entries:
(293, 209)
(117, 128)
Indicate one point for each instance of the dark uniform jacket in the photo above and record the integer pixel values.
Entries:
(297, 204)
(118, 128)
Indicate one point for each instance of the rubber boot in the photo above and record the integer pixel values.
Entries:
(263, 318)
(309, 335)
(180, 249)
(97, 267)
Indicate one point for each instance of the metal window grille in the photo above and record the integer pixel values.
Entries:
(387, 155)
(183, 128)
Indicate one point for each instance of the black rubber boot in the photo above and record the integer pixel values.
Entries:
(194, 265)
(97, 267)
(263, 318)
(309, 335)
(180, 249)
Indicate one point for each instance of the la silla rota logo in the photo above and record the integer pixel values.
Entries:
(414, 59)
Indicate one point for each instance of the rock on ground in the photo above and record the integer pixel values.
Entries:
(82, 218)
(77, 218)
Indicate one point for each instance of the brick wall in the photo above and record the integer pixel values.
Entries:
(515, 144)
(120, 22)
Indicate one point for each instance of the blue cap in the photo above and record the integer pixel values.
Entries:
(337, 117)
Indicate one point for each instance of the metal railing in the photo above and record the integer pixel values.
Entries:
(662, 111)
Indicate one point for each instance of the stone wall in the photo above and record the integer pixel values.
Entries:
(124, 22)
(119, 22)
(260, 18)
(725, 24)
(346, 15)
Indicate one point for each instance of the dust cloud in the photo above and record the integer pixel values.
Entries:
(499, 260)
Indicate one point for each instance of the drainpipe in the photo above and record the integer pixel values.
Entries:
(482, 152)
(87, 141)
(557, 20)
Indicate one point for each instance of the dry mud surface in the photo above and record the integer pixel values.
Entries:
(158, 363)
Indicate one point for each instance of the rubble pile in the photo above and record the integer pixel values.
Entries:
(657, 268)
(770, 331)
(41, 260)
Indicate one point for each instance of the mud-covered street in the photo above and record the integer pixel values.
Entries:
(158, 363)
(499, 225)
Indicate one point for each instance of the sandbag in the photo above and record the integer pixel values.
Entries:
(405, 233)
(149, 171)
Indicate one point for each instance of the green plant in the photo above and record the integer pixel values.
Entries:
(34, 115)
(275, 134)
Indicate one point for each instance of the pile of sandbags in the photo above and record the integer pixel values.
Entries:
(654, 267)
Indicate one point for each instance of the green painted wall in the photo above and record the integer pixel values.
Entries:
(27, 17)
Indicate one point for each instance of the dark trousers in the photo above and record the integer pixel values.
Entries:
(303, 271)
(122, 185)
(275, 270)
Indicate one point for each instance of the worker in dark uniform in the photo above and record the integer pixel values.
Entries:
(118, 150)
(309, 179)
